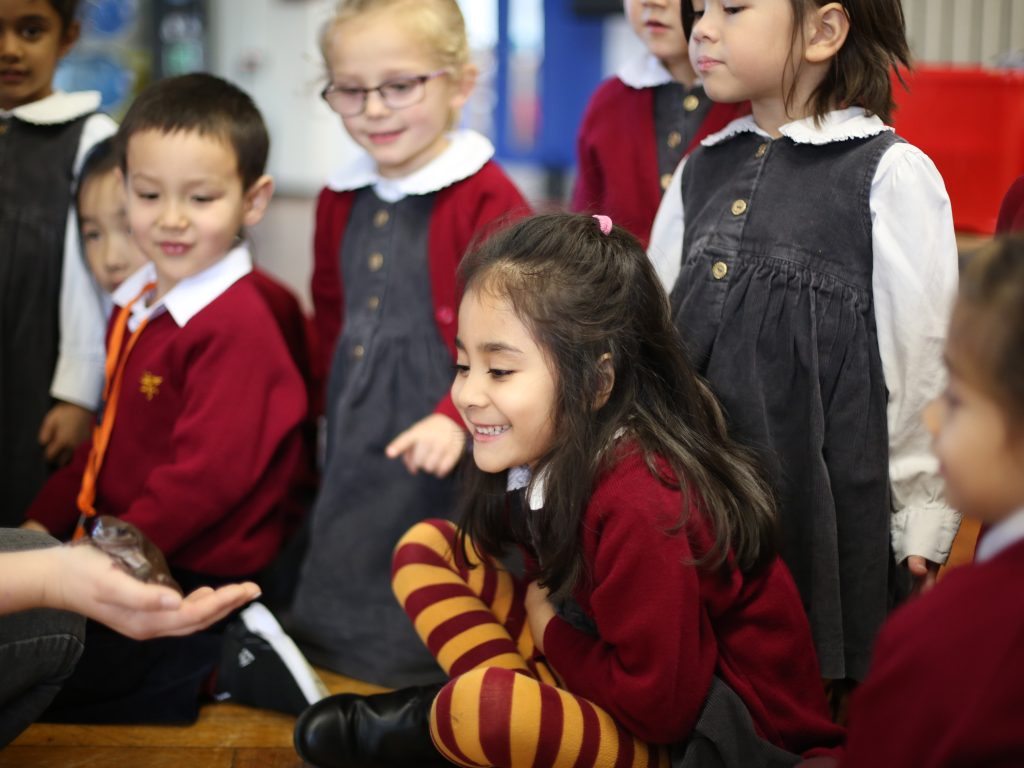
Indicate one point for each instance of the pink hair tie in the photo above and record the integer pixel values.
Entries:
(605, 222)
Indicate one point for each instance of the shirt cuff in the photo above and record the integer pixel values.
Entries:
(926, 531)
(78, 380)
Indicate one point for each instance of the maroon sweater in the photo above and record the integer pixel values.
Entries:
(202, 460)
(946, 685)
(665, 627)
(464, 211)
(617, 155)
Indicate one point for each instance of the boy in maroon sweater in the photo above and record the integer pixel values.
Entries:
(198, 439)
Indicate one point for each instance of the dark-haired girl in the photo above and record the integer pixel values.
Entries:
(51, 318)
(817, 265)
(656, 620)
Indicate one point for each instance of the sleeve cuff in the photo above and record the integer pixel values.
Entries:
(925, 531)
(78, 380)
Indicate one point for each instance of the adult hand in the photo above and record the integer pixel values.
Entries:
(86, 581)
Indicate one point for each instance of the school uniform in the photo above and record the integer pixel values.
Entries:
(386, 304)
(51, 318)
(813, 279)
(945, 683)
(636, 129)
(647, 636)
(206, 440)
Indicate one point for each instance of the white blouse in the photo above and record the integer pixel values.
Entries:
(914, 283)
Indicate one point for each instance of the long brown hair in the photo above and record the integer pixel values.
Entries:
(585, 295)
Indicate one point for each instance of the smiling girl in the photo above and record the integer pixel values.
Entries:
(51, 319)
(391, 228)
(656, 622)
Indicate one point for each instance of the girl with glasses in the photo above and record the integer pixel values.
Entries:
(391, 228)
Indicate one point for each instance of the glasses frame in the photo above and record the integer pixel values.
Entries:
(419, 80)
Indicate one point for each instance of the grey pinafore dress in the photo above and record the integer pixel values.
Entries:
(36, 173)
(774, 303)
(390, 369)
(678, 114)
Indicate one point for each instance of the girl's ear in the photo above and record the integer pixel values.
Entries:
(606, 373)
(464, 82)
(829, 26)
(257, 198)
(69, 38)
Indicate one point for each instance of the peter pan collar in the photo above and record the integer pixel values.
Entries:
(838, 125)
(644, 71)
(1001, 536)
(467, 152)
(522, 477)
(190, 296)
(58, 107)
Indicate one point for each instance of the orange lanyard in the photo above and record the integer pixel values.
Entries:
(111, 393)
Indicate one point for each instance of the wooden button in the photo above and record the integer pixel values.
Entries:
(358, 351)
(738, 207)
(761, 149)
(719, 270)
(666, 179)
(376, 261)
(674, 139)
(691, 102)
(373, 302)
(380, 218)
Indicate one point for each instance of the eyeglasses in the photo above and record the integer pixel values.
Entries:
(399, 93)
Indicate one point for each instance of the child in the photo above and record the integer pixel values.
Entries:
(647, 533)
(51, 322)
(107, 242)
(952, 659)
(641, 122)
(391, 228)
(818, 262)
(199, 434)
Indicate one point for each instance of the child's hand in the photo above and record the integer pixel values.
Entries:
(924, 572)
(64, 428)
(539, 611)
(433, 444)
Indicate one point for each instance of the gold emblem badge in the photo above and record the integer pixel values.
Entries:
(149, 384)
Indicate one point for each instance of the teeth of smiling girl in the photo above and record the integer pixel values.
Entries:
(491, 430)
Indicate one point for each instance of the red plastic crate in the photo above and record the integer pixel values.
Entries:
(970, 122)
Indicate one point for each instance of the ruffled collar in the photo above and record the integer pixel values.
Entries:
(466, 153)
(644, 71)
(59, 107)
(522, 477)
(838, 125)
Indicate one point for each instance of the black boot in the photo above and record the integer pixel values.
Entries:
(386, 730)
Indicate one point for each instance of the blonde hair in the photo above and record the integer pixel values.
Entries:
(439, 24)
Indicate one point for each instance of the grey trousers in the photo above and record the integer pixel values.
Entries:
(38, 650)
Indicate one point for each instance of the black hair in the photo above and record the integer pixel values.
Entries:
(587, 296)
(207, 105)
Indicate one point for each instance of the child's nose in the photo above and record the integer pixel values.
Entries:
(375, 104)
(172, 216)
(467, 392)
(10, 45)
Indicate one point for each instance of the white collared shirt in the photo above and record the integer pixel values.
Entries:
(78, 375)
(914, 282)
(1001, 536)
(190, 296)
(467, 152)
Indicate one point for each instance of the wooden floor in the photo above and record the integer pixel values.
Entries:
(225, 736)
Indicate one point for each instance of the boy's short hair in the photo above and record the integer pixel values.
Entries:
(67, 10)
(207, 105)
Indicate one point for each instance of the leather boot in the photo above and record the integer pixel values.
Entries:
(385, 730)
